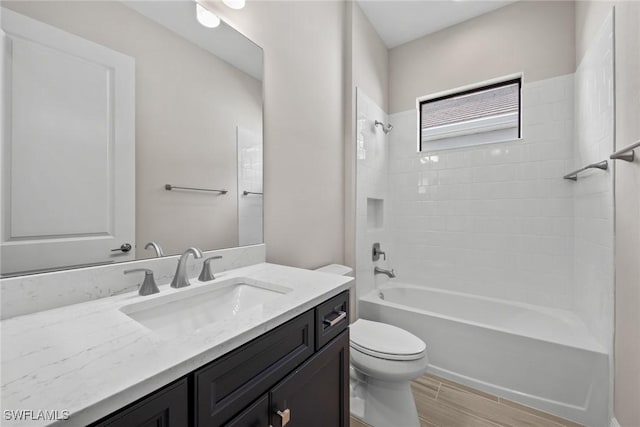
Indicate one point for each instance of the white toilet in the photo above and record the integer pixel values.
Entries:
(384, 361)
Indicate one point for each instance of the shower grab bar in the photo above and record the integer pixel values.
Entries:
(573, 176)
(246, 193)
(621, 153)
(170, 187)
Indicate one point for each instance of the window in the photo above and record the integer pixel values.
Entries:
(482, 115)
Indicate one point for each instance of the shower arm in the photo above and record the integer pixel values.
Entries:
(386, 129)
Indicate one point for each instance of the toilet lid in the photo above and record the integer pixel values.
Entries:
(385, 341)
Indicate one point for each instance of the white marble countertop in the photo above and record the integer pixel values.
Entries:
(91, 359)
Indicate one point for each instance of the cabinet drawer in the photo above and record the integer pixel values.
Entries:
(332, 317)
(228, 385)
(168, 407)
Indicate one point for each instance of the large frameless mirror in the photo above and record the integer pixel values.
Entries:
(125, 124)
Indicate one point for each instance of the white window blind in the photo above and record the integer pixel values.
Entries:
(461, 118)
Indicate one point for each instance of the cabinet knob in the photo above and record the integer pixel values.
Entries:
(285, 416)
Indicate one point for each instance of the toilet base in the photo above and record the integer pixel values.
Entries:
(383, 403)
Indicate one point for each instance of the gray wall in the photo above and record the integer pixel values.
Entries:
(589, 16)
(534, 37)
(368, 71)
(304, 125)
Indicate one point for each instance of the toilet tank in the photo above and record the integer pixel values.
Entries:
(341, 270)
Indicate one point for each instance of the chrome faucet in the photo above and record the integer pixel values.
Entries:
(180, 280)
(389, 273)
(156, 247)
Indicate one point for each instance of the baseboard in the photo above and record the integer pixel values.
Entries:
(614, 422)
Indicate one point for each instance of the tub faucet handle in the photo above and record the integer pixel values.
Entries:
(376, 252)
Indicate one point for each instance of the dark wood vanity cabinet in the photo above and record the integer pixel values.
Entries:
(316, 394)
(168, 407)
(226, 386)
(296, 375)
(257, 415)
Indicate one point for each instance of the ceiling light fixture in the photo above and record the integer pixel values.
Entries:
(205, 17)
(234, 4)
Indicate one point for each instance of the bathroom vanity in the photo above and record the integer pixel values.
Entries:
(274, 380)
(257, 345)
(261, 361)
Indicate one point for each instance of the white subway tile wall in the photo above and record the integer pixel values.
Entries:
(372, 183)
(593, 201)
(493, 220)
(250, 206)
(498, 220)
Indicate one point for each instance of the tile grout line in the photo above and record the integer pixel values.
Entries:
(554, 420)
(467, 411)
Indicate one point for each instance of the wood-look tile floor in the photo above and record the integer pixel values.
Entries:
(443, 403)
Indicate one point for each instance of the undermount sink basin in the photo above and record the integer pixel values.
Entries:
(187, 311)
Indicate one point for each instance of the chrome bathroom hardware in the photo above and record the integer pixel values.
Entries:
(341, 316)
(205, 274)
(285, 416)
(376, 252)
(170, 187)
(626, 153)
(156, 247)
(124, 248)
(389, 273)
(246, 193)
(148, 286)
(386, 129)
(180, 280)
(573, 176)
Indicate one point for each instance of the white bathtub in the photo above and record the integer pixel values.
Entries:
(544, 358)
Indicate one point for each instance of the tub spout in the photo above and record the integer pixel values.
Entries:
(389, 273)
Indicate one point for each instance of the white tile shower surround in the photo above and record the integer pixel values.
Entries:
(593, 201)
(493, 220)
(33, 293)
(372, 146)
(250, 166)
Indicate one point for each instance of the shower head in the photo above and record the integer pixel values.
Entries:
(386, 129)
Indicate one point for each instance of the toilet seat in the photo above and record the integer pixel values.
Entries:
(385, 341)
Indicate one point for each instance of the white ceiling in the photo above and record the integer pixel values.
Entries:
(400, 21)
(226, 43)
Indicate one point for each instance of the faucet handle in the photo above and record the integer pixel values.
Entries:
(205, 274)
(376, 252)
(148, 286)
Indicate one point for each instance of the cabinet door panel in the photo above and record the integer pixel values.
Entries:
(166, 408)
(257, 415)
(317, 393)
